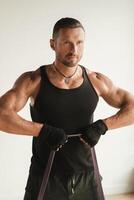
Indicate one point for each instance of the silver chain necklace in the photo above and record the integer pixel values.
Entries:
(66, 78)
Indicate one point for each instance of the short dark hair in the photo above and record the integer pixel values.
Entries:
(66, 22)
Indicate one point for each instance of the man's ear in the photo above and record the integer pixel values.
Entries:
(52, 44)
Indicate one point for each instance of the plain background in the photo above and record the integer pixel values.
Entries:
(25, 30)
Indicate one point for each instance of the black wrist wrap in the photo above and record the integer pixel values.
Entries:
(100, 127)
(93, 132)
(53, 136)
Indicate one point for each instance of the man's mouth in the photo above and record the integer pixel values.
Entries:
(71, 56)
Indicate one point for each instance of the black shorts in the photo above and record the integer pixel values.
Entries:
(79, 186)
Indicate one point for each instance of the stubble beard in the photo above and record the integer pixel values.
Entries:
(68, 63)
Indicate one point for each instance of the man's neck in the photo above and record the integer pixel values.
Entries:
(66, 70)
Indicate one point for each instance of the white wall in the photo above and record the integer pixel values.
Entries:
(25, 30)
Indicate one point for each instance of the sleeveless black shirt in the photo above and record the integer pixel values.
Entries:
(70, 109)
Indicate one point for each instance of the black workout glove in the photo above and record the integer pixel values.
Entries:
(54, 137)
(92, 133)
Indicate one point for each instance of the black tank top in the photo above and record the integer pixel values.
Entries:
(70, 109)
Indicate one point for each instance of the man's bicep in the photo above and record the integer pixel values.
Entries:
(117, 97)
(13, 100)
(16, 98)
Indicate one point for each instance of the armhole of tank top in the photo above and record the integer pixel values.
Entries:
(89, 81)
(42, 75)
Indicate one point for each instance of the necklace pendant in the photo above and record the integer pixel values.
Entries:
(67, 80)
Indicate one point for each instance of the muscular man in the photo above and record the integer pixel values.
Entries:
(64, 96)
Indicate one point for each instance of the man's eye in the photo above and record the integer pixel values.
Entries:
(80, 42)
(66, 42)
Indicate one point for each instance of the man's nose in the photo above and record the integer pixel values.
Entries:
(73, 48)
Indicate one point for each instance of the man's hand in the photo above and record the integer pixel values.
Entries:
(54, 137)
(92, 133)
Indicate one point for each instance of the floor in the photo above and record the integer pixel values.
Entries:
(120, 197)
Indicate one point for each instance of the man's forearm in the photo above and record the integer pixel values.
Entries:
(13, 123)
(124, 117)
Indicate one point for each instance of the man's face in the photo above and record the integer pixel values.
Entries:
(69, 46)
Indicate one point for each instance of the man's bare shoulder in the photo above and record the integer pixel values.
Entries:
(97, 76)
(101, 82)
(27, 77)
(27, 82)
